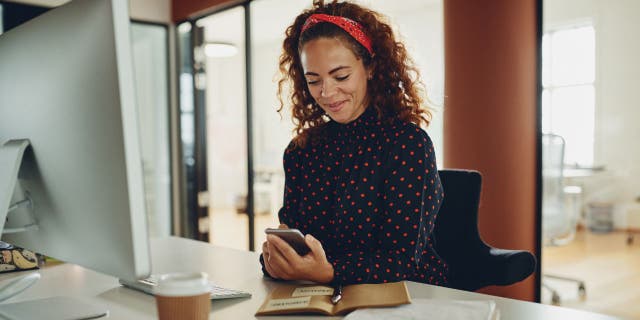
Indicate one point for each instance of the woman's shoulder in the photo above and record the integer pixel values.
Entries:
(296, 148)
(293, 148)
(405, 131)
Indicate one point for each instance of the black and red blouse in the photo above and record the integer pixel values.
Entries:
(370, 194)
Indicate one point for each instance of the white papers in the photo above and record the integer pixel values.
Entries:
(312, 291)
(286, 304)
(432, 309)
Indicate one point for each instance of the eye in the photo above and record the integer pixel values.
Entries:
(312, 82)
(343, 78)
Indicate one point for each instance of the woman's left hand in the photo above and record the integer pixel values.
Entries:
(283, 261)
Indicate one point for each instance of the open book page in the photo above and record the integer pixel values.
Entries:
(433, 309)
(372, 295)
(288, 299)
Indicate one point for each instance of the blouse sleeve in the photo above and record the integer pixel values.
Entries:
(411, 200)
(291, 190)
(290, 160)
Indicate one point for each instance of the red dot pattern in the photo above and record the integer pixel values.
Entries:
(370, 194)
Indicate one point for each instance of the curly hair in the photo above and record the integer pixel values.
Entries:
(395, 89)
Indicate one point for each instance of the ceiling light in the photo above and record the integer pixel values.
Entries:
(219, 49)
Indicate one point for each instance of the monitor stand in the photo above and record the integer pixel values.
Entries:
(20, 207)
(54, 308)
(11, 154)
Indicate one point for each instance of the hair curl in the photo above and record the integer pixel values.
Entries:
(395, 90)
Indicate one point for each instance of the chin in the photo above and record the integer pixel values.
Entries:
(339, 118)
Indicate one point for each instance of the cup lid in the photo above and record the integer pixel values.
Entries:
(182, 284)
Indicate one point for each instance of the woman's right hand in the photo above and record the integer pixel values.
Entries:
(265, 253)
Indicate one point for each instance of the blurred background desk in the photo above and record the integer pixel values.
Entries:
(234, 269)
(571, 171)
(576, 188)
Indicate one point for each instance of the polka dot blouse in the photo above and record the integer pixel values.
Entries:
(370, 194)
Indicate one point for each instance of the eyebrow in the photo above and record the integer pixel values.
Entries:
(336, 69)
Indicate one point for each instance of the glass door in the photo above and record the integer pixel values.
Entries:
(223, 78)
(194, 222)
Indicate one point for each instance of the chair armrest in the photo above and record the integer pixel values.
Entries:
(511, 266)
(486, 266)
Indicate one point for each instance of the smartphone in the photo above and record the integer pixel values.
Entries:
(293, 237)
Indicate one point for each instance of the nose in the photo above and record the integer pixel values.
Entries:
(328, 89)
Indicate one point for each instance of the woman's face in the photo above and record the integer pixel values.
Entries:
(336, 78)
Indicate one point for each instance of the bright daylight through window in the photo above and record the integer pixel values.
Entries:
(568, 97)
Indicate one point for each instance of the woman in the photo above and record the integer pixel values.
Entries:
(361, 176)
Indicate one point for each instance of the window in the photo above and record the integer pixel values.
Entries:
(568, 96)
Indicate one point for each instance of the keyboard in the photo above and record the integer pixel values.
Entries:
(217, 292)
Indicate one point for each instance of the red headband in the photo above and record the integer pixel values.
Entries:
(351, 27)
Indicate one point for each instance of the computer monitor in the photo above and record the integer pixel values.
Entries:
(67, 89)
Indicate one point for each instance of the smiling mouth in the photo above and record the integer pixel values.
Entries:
(335, 107)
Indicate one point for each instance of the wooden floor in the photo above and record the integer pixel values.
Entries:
(230, 229)
(609, 267)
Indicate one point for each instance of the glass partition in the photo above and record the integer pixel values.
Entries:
(222, 54)
(149, 48)
(590, 79)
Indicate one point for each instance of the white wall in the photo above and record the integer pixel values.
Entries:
(226, 130)
(421, 28)
(146, 10)
(617, 81)
(151, 10)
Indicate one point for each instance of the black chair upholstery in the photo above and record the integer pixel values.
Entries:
(472, 263)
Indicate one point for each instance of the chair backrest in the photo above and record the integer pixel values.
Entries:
(457, 222)
(557, 221)
(472, 263)
(456, 229)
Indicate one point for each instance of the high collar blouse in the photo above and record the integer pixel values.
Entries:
(370, 193)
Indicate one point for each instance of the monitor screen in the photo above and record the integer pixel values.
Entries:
(66, 87)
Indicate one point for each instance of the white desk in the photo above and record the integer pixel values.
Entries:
(235, 269)
(581, 171)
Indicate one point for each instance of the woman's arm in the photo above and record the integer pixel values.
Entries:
(291, 163)
(288, 214)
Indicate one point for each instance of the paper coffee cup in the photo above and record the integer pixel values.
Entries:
(183, 296)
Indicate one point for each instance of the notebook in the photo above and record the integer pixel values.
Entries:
(301, 299)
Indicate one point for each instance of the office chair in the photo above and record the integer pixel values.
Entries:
(558, 224)
(473, 264)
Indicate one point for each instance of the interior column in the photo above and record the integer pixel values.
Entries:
(490, 118)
